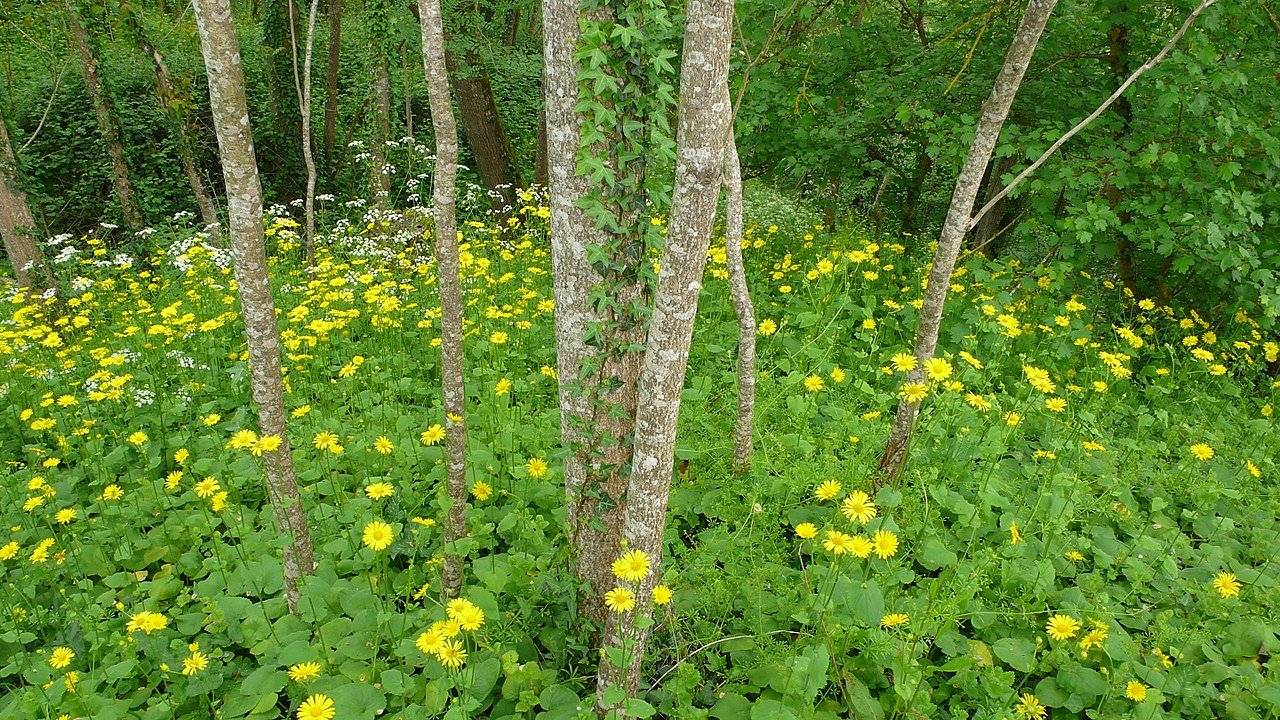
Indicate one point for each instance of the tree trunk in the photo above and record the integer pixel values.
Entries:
(1118, 63)
(17, 226)
(742, 307)
(956, 225)
(379, 178)
(331, 83)
(108, 126)
(280, 57)
(704, 121)
(221, 51)
(594, 483)
(911, 223)
(181, 124)
(451, 372)
(540, 153)
(302, 83)
(991, 223)
(485, 134)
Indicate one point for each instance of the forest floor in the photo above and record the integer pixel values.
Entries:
(1087, 526)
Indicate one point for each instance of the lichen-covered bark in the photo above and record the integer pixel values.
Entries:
(957, 222)
(742, 307)
(17, 226)
(107, 125)
(244, 210)
(302, 84)
(379, 177)
(450, 283)
(705, 117)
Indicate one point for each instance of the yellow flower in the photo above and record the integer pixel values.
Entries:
(207, 488)
(661, 595)
(430, 641)
(317, 707)
(61, 657)
(858, 507)
(194, 663)
(383, 446)
(767, 327)
(498, 338)
(266, 443)
(1226, 584)
(181, 456)
(837, 375)
(1015, 537)
(1056, 404)
(379, 490)
(242, 440)
(814, 383)
(451, 654)
(837, 543)
(304, 671)
(1253, 469)
(470, 618)
(1135, 691)
(1201, 451)
(632, 567)
(324, 440)
(432, 435)
(903, 362)
(378, 536)
(299, 412)
(913, 392)
(1030, 708)
(211, 419)
(536, 467)
(1074, 556)
(620, 600)
(65, 516)
(827, 490)
(894, 620)
(147, 622)
(137, 438)
(937, 369)
(1062, 627)
(806, 531)
(885, 544)
(9, 550)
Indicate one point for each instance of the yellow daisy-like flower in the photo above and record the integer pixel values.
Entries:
(379, 490)
(61, 657)
(894, 620)
(827, 490)
(837, 543)
(498, 338)
(1015, 536)
(1062, 627)
(266, 444)
(807, 531)
(470, 618)
(1135, 691)
(767, 327)
(146, 621)
(813, 383)
(913, 392)
(65, 516)
(430, 642)
(317, 707)
(536, 467)
(1055, 404)
(432, 435)
(620, 600)
(207, 488)
(937, 369)
(903, 362)
(383, 446)
(194, 663)
(1226, 584)
(378, 536)
(885, 544)
(481, 490)
(662, 595)
(858, 507)
(632, 567)
(242, 440)
(1030, 708)
(304, 671)
(451, 654)
(137, 438)
(1201, 451)
(324, 440)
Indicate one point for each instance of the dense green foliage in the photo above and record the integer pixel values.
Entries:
(130, 417)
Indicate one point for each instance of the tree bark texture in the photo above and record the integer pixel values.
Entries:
(742, 307)
(450, 283)
(279, 20)
(957, 222)
(331, 81)
(379, 177)
(302, 83)
(221, 51)
(485, 134)
(1118, 63)
(179, 121)
(108, 127)
(17, 225)
(705, 117)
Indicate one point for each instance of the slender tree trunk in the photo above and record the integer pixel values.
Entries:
(540, 153)
(593, 528)
(108, 126)
(911, 222)
(380, 180)
(1118, 63)
(302, 83)
(17, 226)
(738, 291)
(446, 234)
(956, 225)
(331, 83)
(279, 23)
(705, 117)
(221, 51)
(991, 223)
(485, 134)
(179, 120)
